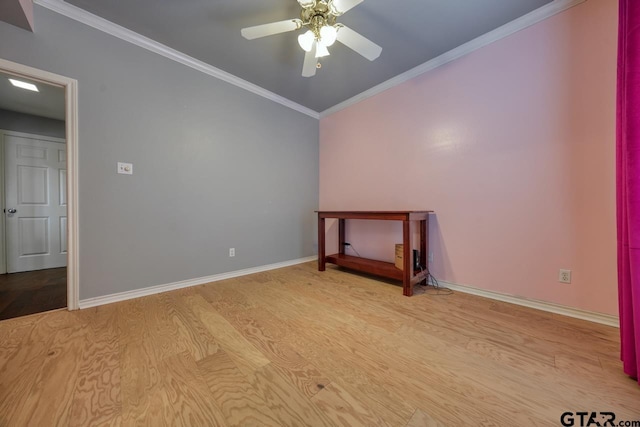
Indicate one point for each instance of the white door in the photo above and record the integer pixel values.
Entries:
(35, 203)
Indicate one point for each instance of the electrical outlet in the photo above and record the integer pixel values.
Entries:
(232, 252)
(564, 276)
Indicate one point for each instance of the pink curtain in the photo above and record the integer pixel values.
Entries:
(628, 184)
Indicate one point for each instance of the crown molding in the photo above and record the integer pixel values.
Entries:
(499, 33)
(122, 33)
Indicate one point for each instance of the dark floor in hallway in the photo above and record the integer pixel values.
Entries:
(32, 292)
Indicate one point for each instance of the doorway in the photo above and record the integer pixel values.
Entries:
(33, 274)
(38, 225)
(35, 202)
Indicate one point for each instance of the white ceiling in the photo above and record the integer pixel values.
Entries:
(410, 32)
(48, 102)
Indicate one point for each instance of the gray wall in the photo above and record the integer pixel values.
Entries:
(214, 166)
(19, 122)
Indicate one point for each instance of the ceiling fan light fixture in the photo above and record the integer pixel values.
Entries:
(328, 35)
(306, 4)
(306, 40)
(321, 50)
(318, 18)
(334, 9)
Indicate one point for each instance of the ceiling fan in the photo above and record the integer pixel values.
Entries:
(319, 17)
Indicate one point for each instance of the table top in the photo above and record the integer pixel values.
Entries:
(388, 215)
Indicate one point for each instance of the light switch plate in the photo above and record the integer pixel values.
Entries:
(125, 168)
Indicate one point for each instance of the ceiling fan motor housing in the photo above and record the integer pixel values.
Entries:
(317, 16)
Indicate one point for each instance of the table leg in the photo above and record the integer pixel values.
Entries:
(424, 243)
(321, 248)
(407, 288)
(341, 231)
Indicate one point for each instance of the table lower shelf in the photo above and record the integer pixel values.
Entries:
(379, 268)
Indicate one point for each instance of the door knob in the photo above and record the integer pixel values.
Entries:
(11, 211)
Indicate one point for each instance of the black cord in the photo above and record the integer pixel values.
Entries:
(354, 249)
(439, 290)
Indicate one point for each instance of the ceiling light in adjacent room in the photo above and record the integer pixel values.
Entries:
(24, 85)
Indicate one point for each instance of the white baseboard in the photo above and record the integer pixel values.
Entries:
(592, 316)
(137, 293)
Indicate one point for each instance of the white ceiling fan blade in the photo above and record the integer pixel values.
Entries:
(310, 61)
(358, 43)
(270, 29)
(341, 6)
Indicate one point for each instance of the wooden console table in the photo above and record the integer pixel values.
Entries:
(379, 268)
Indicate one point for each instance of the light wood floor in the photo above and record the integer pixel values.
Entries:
(295, 347)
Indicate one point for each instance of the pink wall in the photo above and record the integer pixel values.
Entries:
(513, 147)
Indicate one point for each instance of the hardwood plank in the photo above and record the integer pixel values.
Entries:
(344, 409)
(265, 340)
(27, 343)
(223, 296)
(97, 390)
(510, 355)
(387, 405)
(187, 398)
(11, 339)
(163, 335)
(290, 406)
(384, 402)
(51, 393)
(140, 381)
(307, 379)
(130, 321)
(360, 308)
(32, 292)
(191, 333)
(7, 297)
(21, 363)
(233, 394)
(420, 419)
(243, 353)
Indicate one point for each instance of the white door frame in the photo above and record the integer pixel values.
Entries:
(71, 126)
